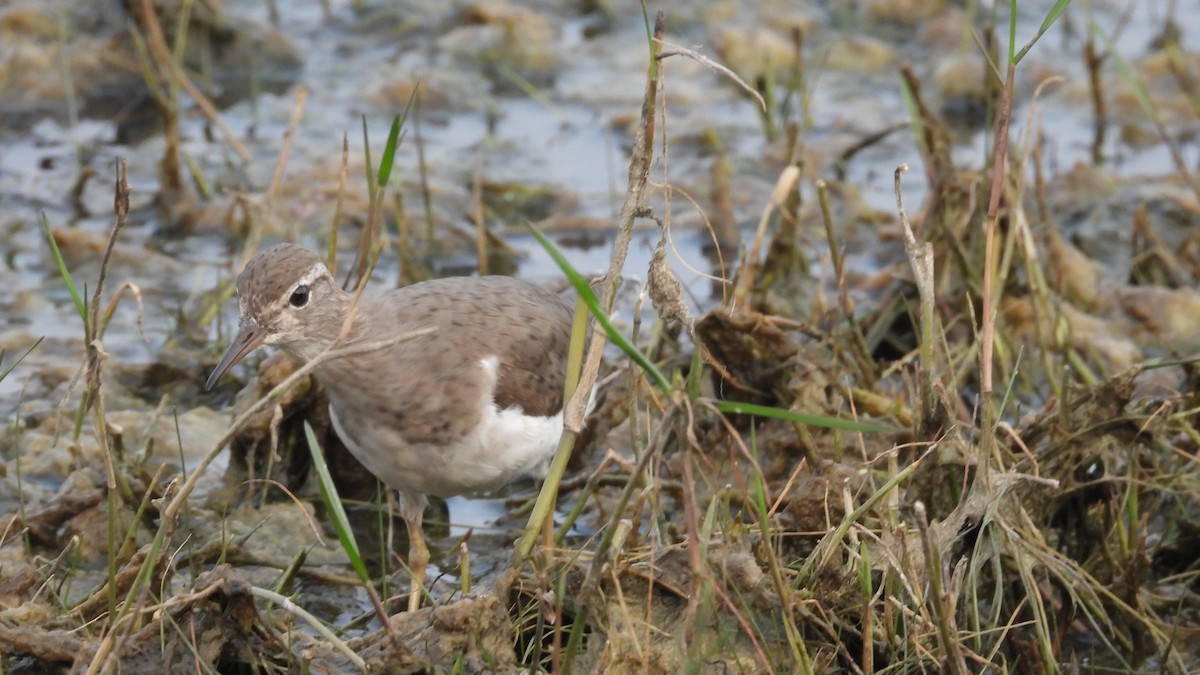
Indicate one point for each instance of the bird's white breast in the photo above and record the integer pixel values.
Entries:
(505, 445)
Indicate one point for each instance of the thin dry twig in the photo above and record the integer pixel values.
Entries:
(308, 516)
(783, 185)
(284, 153)
(671, 49)
(287, 604)
(162, 53)
(631, 208)
(920, 257)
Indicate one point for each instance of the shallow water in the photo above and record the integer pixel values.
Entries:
(567, 140)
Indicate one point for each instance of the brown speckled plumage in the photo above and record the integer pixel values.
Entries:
(469, 406)
(270, 273)
(436, 380)
(405, 402)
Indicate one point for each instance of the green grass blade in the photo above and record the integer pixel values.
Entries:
(389, 152)
(593, 304)
(63, 271)
(4, 373)
(371, 185)
(914, 114)
(1128, 75)
(393, 141)
(1012, 31)
(650, 41)
(341, 524)
(1051, 16)
(832, 540)
(823, 421)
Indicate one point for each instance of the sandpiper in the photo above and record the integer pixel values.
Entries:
(470, 406)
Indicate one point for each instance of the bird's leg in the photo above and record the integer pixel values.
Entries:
(412, 508)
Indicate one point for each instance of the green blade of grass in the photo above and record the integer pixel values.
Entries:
(389, 151)
(736, 408)
(1012, 31)
(337, 513)
(915, 122)
(372, 186)
(394, 138)
(63, 271)
(653, 67)
(530, 89)
(829, 543)
(593, 305)
(1127, 73)
(1051, 16)
(4, 373)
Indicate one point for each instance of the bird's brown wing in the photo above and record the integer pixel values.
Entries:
(526, 327)
(534, 364)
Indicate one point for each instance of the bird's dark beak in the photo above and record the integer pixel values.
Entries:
(249, 336)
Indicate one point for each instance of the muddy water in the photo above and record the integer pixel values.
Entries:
(534, 98)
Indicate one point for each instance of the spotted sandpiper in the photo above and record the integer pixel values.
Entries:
(470, 406)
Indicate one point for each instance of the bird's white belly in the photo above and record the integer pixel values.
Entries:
(506, 445)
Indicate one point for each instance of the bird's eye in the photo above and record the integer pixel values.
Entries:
(299, 296)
